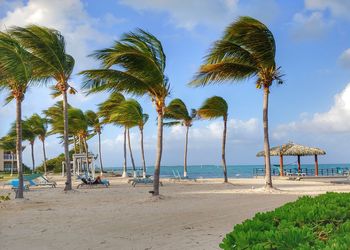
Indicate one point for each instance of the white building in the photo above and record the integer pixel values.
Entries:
(6, 161)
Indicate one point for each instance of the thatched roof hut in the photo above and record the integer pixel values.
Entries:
(292, 149)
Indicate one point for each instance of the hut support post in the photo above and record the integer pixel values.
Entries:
(281, 165)
(299, 167)
(316, 166)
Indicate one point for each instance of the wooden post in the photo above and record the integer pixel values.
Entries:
(281, 165)
(316, 166)
(299, 168)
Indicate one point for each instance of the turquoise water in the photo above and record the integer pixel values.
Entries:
(234, 171)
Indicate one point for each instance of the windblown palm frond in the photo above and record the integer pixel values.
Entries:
(213, 108)
(245, 50)
(140, 63)
(106, 108)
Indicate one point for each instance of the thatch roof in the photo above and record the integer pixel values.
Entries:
(291, 148)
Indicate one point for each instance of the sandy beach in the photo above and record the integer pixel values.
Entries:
(191, 215)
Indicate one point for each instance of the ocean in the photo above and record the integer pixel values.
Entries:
(233, 171)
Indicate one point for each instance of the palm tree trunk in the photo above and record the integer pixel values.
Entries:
(87, 170)
(33, 159)
(143, 155)
(131, 156)
(75, 144)
(159, 154)
(44, 152)
(185, 157)
(100, 151)
(268, 179)
(12, 162)
(19, 193)
(68, 183)
(224, 150)
(125, 174)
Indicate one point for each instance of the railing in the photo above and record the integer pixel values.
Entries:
(304, 171)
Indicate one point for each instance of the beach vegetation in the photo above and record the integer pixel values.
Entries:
(176, 113)
(321, 222)
(51, 64)
(247, 49)
(135, 64)
(213, 108)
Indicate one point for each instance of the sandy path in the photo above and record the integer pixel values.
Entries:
(190, 216)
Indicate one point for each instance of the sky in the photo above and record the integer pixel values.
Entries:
(312, 107)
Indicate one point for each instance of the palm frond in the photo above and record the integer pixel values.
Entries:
(213, 108)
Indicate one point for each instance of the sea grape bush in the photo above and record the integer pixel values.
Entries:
(321, 222)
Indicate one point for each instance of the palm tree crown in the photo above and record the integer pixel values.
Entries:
(178, 113)
(213, 108)
(246, 49)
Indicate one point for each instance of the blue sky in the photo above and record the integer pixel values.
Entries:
(312, 107)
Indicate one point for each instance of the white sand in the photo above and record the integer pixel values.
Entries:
(189, 215)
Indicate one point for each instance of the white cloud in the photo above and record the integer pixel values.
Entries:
(338, 8)
(69, 17)
(192, 13)
(344, 58)
(312, 25)
(335, 120)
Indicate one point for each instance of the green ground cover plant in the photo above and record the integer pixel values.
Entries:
(321, 222)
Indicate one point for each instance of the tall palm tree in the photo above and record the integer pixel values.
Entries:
(178, 114)
(94, 122)
(136, 65)
(28, 134)
(8, 143)
(212, 108)
(16, 76)
(105, 110)
(39, 126)
(52, 63)
(130, 114)
(247, 49)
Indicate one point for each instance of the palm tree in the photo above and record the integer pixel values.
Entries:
(8, 143)
(28, 134)
(247, 49)
(178, 114)
(52, 62)
(39, 126)
(212, 108)
(130, 114)
(94, 122)
(138, 63)
(16, 76)
(105, 110)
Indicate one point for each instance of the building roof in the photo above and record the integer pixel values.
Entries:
(291, 149)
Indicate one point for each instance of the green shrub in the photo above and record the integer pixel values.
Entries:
(322, 222)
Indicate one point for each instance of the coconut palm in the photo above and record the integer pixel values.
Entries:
(8, 143)
(247, 49)
(16, 76)
(135, 64)
(212, 108)
(178, 114)
(94, 122)
(130, 114)
(105, 110)
(52, 63)
(28, 134)
(40, 128)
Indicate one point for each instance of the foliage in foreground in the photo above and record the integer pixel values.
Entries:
(321, 222)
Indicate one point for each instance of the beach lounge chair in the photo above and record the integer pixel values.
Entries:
(177, 177)
(15, 182)
(91, 182)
